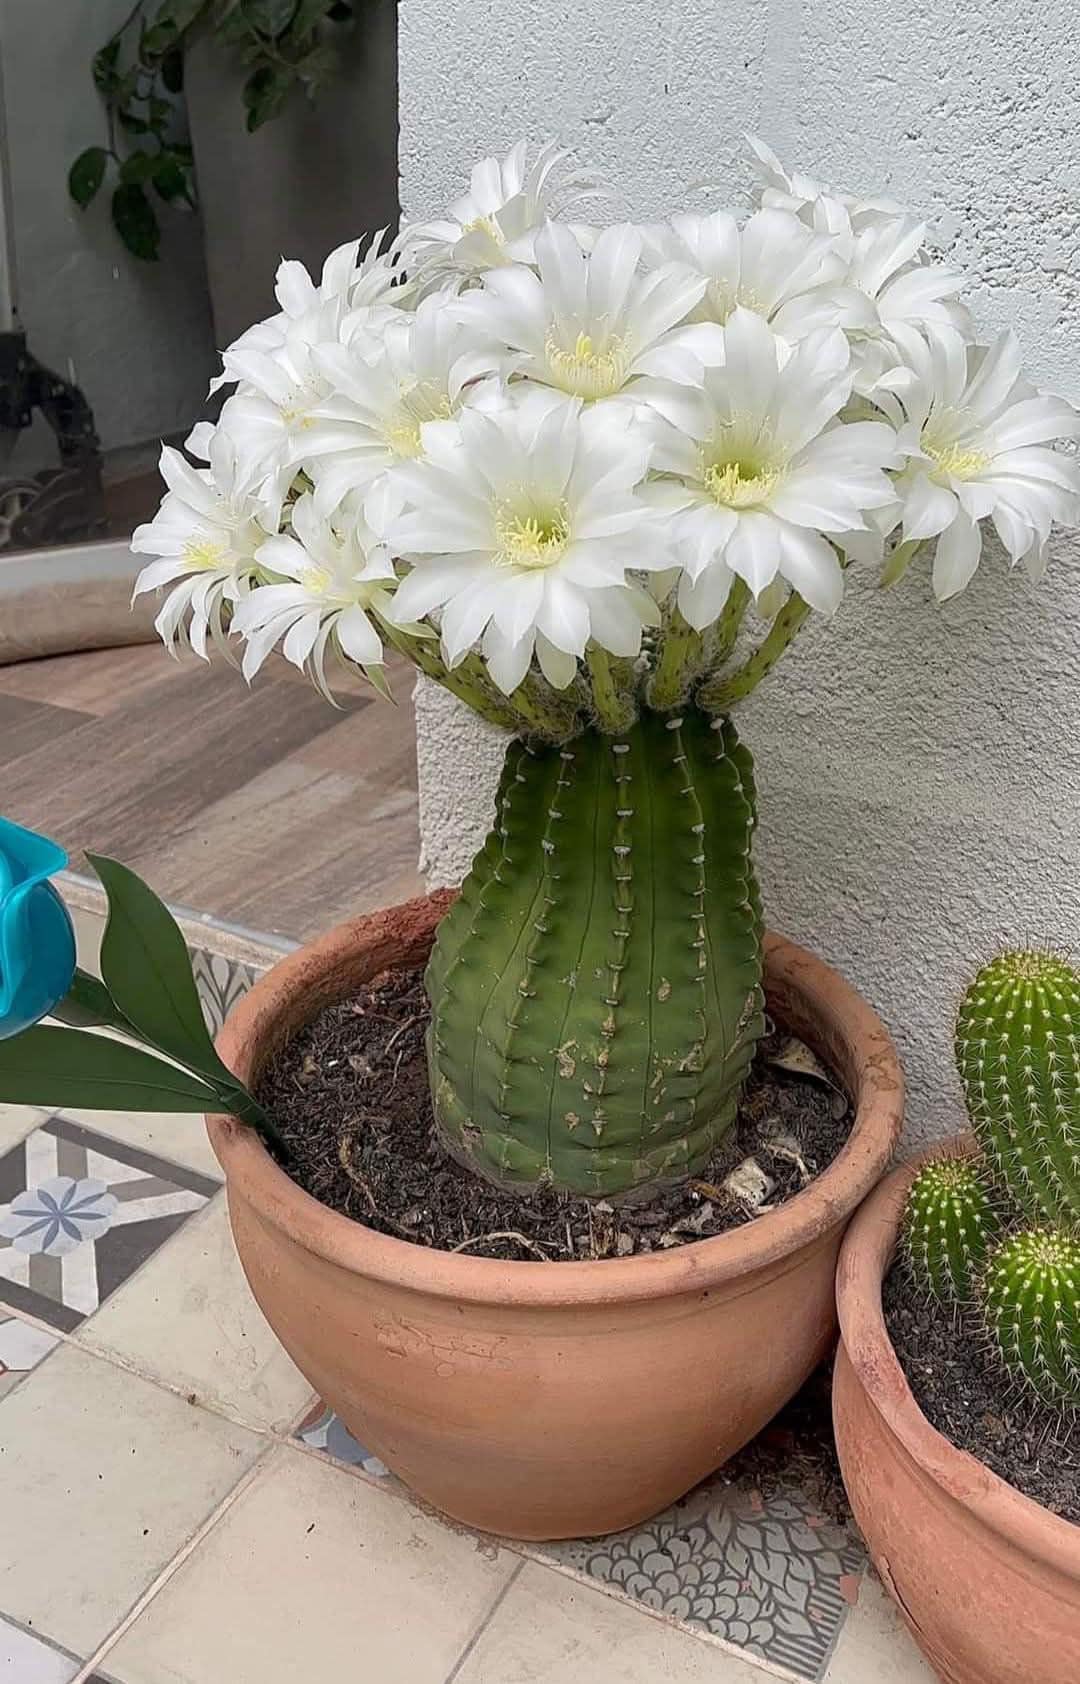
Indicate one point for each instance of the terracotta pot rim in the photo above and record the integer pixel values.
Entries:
(864, 1261)
(874, 1079)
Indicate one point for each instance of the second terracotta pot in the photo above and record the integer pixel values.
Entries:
(987, 1580)
(546, 1400)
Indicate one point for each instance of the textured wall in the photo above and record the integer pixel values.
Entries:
(920, 767)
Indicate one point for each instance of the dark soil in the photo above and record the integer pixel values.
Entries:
(350, 1095)
(963, 1391)
(797, 1448)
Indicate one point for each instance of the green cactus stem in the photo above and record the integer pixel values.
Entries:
(1018, 1053)
(1032, 1303)
(596, 989)
(949, 1222)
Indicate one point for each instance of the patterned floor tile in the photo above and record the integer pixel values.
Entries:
(765, 1572)
(221, 982)
(322, 1430)
(79, 1212)
(22, 1346)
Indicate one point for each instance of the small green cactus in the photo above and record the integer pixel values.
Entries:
(1018, 1053)
(949, 1224)
(1032, 1303)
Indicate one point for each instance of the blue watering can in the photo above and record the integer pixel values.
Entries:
(37, 941)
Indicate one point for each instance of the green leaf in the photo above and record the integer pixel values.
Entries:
(88, 1003)
(86, 174)
(147, 970)
(316, 66)
(104, 65)
(136, 224)
(133, 124)
(307, 17)
(170, 176)
(61, 1067)
(181, 14)
(265, 93)
(270, 17)
(158, 40)
(138, 167)
(158, 111)
(172, 71)
(340, 11)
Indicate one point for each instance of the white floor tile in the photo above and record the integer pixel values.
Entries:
(313, 1574)
(875, 1646)
(16, 1122)
(180, 1137)
(103, 1477)
(188, 1318)
(27, 1660)
(548, 1629)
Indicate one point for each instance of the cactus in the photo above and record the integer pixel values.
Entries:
(1032, 1303)
(949, 1223)
(1018, 1052)
(596, 989)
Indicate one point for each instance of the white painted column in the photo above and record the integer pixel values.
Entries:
(919, 766)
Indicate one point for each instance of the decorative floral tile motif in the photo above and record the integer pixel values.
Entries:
(766, 1573)
(22, 1347)
(79, 1212)
(220, 982)
(322, 1430)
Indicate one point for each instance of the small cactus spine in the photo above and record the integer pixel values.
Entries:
(1018, 1053)
(949, 1224)
(1032, 1304)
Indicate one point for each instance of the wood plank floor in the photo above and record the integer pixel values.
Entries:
(266, 806)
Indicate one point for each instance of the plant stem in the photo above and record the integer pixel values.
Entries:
(898, 563)
(680, 656)
(614, 709)
(727, 626)
(544, 711)
(721, 692)
(468, 686)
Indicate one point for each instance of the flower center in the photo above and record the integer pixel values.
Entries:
(739, 485)
(484, 225)
(418, 404)
(203, 555)
(317, 580)
(588, 370)
(531, 541)
(955, 460)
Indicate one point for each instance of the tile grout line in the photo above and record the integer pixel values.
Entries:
(142, 1602)
(484, 1623)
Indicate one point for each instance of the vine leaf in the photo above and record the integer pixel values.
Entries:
(86, 175)
(135, 222)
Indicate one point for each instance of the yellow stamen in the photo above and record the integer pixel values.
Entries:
(316, 579)
(588, 370)
(531, 541)
(204, 554)
(739, 485)
(954, 460)
(419, 404)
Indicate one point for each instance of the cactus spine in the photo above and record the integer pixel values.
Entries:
(949, 1223)
(1018, 1052)
(596, 989)
(1032, 1302)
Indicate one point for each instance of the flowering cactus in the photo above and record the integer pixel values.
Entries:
(594, 481)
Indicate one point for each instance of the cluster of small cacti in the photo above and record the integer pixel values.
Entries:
(997, 1234)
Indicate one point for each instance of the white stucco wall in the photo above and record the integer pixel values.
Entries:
(919, 766)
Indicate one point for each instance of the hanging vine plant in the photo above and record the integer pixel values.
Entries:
(139, 72)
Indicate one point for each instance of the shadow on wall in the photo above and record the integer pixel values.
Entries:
(319, 174)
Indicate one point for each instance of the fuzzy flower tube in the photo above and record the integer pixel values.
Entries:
(594, 481)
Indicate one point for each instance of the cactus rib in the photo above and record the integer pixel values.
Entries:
(1032, 1302)
(949, 1222)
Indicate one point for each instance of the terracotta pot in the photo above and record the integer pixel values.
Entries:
(545, 1400)
(987, 1580)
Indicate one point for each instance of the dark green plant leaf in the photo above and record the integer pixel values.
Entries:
(86, 174)
(147, 970)
(307, 17)
(133, 124)
(170, 176)
(316, 66)
(269, 17)
(172, 71)
(158, 112)
(340, 11)
(135, 222)
(61, 1067)
(104, 65)
(158, 40)
(88, 1003)
(138, 167)
(181, 14)
(265, 93)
